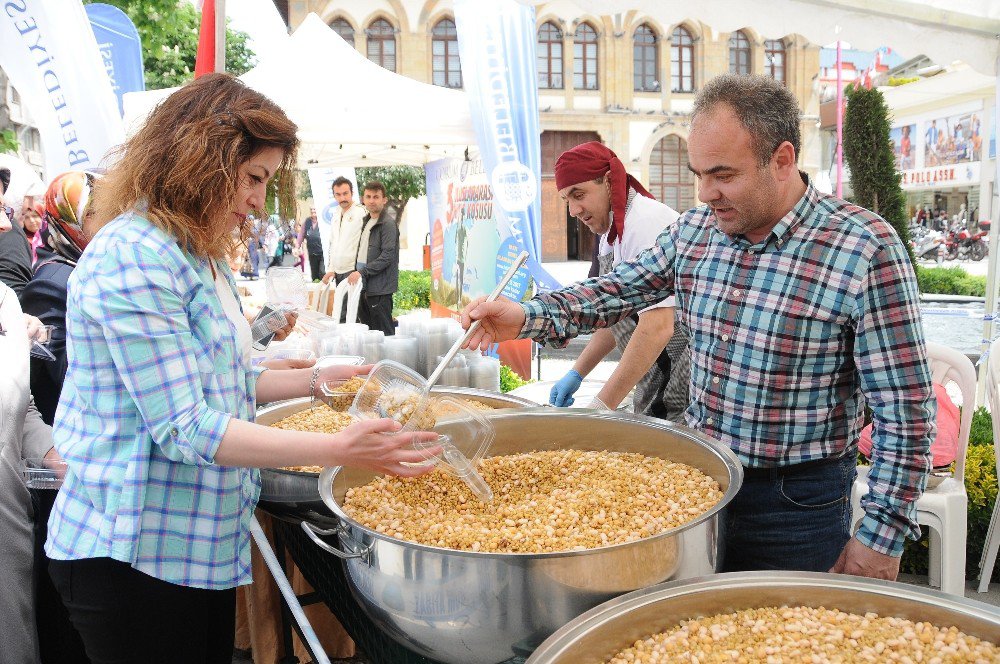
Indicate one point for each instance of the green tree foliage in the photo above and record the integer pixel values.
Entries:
(401, 184)
(168, 30)
(869, 154)
(8, 142)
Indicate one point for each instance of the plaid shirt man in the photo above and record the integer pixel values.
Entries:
(154, 378)
(788, 338)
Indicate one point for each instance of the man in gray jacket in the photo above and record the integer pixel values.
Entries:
(377, 260)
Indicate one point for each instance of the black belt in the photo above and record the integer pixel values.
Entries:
(775, 472)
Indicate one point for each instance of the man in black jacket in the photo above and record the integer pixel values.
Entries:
(377, 261)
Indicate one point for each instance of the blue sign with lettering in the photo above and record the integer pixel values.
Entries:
(120, 48)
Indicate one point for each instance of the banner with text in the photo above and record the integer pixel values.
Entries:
(469, 252)
(120, 49)
(50, 55)
(496, 45)
(940, 149)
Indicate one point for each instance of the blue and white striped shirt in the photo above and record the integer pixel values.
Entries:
(154, 378)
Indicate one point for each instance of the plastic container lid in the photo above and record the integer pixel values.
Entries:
(290, 354)
(395, 391)
(466, 435)
(286, 285)
(336, 398)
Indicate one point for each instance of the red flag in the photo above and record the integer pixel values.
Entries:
(204, 62)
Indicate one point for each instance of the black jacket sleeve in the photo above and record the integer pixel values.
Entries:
(15, 259)
(45, 298)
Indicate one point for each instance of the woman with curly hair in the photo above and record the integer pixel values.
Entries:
(149, 536)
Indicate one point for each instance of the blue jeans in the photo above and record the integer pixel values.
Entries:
(795, 520)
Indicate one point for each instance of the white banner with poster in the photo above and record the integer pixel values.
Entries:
(942, 148)
(50, 55)
(321, 181)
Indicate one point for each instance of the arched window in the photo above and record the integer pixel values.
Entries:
(444, 53)
(382, 44)
(645, 60)
(550, 56)
(681, 60)
(344, 29)
(774, 59)
(585, 57)
(739, 53)
(670, 181)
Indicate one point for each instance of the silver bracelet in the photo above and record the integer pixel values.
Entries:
(312, 383)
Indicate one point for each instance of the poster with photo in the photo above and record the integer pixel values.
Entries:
(953, 139)
(903, 147)
(469, 250)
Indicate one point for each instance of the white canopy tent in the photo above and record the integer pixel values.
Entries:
(350, 111)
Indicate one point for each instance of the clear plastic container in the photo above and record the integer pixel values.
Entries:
(290, 354)
(43, 473)
(336, 398)
(484, 374)
(395, 391)
(400, 349)
(286, 285)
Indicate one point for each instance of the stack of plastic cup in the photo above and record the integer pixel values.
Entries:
(400, 349)
(352, 338)
(372, 342)
(484, 374)
(456, 374)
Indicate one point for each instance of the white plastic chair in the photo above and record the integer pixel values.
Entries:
(342, 291)
(944, 508)
(989, 557)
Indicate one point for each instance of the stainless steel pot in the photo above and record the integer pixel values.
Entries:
(609, 628)
(481, 608)
(294, 496)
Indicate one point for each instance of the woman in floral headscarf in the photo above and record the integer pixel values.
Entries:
(64, 210)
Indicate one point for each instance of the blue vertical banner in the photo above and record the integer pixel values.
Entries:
(120, 48)
(496, 44)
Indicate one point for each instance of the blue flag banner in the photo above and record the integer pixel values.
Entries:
(496, 44)
(120, 48)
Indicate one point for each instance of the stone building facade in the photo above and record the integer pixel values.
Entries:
(627, 80)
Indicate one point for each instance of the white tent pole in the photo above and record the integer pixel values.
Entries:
(993, 259)
(220, 35)
(840, 127)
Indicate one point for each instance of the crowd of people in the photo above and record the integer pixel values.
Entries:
(767, 318)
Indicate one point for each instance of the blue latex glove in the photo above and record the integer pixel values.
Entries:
(563, 391)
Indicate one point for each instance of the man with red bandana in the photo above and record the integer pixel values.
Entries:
(627, 220)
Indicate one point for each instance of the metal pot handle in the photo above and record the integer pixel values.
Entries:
(313, 532)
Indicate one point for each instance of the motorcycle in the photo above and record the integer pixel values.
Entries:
(961, 243)
(928, 244)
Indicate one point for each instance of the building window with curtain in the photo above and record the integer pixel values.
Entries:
(681, 60)
(739, 53)
(444, 53)
(382, 44)
(670, 181)
(585, 58)
(344, 29)
(645, 60)
(550, 57)
(774, 59)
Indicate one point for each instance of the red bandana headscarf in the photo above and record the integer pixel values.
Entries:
(589, 162)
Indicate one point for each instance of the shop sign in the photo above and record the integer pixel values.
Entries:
(941, 176)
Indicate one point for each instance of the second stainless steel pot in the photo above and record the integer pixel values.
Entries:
(469, 607)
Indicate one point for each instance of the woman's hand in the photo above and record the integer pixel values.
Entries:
(34, 327)
(369, 444)
(341, 372)
(282, 332)
(287, 363)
